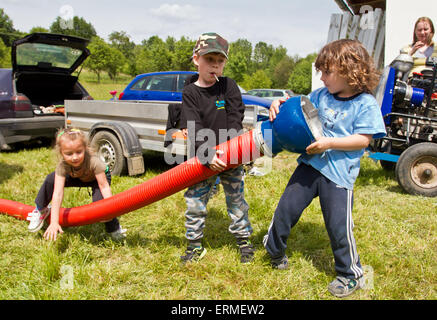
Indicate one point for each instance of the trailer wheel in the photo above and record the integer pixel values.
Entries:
(416, 169)
(109, 150)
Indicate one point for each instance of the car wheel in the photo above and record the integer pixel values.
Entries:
(109, 150)
(416, 169)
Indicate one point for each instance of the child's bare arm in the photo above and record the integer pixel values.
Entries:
(104, 186)
(58, 194)
(353, 142)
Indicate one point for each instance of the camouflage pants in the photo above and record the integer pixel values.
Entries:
(197, 197)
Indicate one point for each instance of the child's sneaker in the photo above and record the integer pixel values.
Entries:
(37, 218)
(193, 254)
(342, 287)
(280, 263)
(246, 250)
(119, 234)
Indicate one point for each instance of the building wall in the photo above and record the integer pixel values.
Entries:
(400, 18)
(399, 26)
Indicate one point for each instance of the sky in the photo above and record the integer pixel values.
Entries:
(301, 26)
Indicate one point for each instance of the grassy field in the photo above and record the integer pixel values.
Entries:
(395, 233)
(100, 91)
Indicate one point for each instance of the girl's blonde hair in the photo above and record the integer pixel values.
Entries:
(71, 134)
(351, 61)
(431, 25)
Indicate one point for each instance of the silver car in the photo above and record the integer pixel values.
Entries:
(271, 94)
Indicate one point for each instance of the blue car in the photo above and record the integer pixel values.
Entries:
(168, 85)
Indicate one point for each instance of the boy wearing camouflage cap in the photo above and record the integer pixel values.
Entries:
(212, 105)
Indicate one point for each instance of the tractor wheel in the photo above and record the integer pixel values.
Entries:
(110, 151)
(416, 169)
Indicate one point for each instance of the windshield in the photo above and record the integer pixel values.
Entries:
(45, 55)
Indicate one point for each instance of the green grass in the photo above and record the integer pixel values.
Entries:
(395, 233)
(100, 91)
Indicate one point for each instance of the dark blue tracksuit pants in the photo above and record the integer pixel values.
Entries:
(336, 202)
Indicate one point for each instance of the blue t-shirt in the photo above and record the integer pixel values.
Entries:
(342, 117)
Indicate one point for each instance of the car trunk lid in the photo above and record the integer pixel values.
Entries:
(47, 52)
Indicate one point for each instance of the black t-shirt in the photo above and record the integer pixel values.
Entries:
(216, 113)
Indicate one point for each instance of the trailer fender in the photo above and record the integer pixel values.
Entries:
(129, 142)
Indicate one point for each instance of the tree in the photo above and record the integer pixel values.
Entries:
(77, 27)
(257, 80)
(181, 54)
(236, 67)
(121, 42)
(154, 56)
(239, 62)
(282, 71)
(300, 78)
(115, 63)
(5, 55)
(38, 29)
(7, 32)
(97, 61)
(262, 55)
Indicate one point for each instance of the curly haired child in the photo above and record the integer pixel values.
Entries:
(350, 117)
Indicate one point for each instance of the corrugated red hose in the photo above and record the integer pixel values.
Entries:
(236, 151)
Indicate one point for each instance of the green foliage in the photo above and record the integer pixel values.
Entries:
(257, 80)
(122, 43)
(75, 27)
(300, 78)
(7, 31)
(237, 66)
(5, 55)
(282, 71)
(115, 63)
(38, 29)
(104, 58)
(262, 54)
(181, 52)
(154, 56)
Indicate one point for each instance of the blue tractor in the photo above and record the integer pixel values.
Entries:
(409, 106)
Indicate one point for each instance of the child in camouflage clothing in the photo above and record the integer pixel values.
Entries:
(212, 105)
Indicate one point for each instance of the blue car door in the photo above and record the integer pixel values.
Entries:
(160, 87)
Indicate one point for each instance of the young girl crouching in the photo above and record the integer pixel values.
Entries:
(78, 167)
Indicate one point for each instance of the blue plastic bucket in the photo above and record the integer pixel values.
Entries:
(295, 127)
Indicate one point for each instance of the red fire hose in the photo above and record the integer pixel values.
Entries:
(236, 151)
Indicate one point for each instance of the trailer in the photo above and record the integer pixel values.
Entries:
(122, 131)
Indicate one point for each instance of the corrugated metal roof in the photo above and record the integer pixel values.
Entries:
(354, 6)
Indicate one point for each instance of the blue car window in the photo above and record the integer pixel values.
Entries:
(141, 84)
(161, 83)
(181, 81)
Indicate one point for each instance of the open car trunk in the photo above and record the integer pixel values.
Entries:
(43, 64)
(47, 89)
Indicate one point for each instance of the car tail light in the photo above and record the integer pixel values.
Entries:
(121, 96)
(21, 103)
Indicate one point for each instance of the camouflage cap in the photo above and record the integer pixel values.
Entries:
(211, 42)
